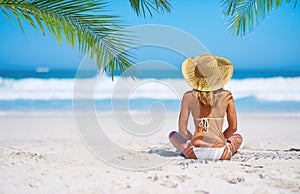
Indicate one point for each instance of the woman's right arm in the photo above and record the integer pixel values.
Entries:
(231, 116)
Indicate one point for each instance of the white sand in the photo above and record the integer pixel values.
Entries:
(44, 154)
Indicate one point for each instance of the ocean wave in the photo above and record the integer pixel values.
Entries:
(269, 89)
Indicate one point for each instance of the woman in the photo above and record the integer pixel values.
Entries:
(208, 103)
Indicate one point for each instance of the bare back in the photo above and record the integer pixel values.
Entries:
(208, 120)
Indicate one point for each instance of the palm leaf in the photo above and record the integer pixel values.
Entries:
(142, 7)
(82, 24)
(247, 14)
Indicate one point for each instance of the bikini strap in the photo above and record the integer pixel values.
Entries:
(204, 122)
(227, 141)
(207, 118)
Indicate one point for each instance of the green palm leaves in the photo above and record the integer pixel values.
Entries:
(246, 14)
(141, 7)
(83, 24)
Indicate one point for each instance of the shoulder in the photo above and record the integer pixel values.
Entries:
(227, 93)
(228, 96)
(187, 95)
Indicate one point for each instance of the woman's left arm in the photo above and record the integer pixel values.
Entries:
(183, 118)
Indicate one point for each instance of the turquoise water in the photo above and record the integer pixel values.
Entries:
(255, 90)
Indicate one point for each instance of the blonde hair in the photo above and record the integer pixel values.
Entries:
(207, 98)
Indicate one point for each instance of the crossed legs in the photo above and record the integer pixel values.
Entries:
(179, 143)
(236, 142)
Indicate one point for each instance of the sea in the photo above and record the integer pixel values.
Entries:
(44, 89)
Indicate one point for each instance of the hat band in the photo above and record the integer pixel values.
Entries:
(207, 91)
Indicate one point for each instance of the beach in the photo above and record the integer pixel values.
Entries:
(90, 91)
(45, 153)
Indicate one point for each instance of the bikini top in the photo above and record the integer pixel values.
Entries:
(204, 122)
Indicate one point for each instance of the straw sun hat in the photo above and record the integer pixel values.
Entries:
(207, 72)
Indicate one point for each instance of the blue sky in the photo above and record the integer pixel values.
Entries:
(274, 44)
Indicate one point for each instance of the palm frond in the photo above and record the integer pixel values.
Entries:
(142, 7)
(82, 24)
(247, 14)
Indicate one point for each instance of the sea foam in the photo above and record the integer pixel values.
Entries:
(268, 89)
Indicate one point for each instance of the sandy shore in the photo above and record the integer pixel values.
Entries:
(45, 154)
